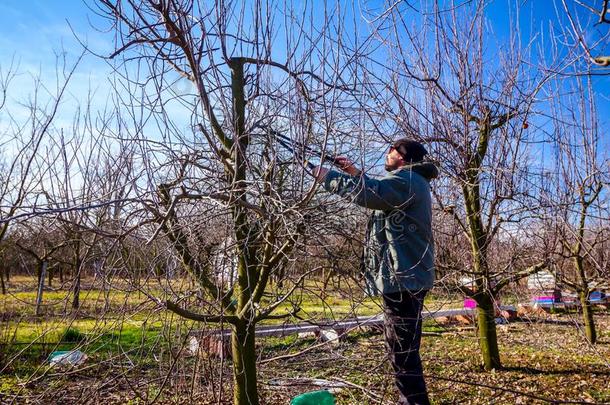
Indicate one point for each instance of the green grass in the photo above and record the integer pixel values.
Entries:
(121, 321)
(537, 356)
(72, 335)
(58, 303)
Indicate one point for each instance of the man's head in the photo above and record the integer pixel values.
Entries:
(404, 152)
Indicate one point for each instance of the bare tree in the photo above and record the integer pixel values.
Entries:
(39, 239)
(580, 199)
(89, 167)
(472, 107)
(21, 172)
(587, 27)
(225, 168)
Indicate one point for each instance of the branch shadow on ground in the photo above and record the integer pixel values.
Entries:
(537, 371)
(547, 321)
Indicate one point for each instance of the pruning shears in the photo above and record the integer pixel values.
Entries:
(286, 143)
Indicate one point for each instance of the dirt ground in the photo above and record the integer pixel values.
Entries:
(545, 359)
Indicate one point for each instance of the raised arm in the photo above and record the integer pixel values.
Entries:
(385, 194)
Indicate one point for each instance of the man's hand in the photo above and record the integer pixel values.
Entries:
(319, 173)
(347, 166)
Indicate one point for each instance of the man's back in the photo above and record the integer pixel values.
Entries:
(399, 253)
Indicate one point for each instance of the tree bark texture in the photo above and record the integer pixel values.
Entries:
(587, 315)
(245, 391)
(488, 338)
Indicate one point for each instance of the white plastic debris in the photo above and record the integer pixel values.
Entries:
(319, 382)
(67, 358)
(193, 345)
(329, 335)
(306, 335)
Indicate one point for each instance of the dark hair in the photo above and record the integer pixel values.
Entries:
(410, 150)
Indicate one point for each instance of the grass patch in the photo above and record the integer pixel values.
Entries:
(72, 335)
(133, 348)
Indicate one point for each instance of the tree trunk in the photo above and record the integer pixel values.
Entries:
(478, 236)
(3, 273)
(2, 284)
(587, 315)
(41, 276)
(244, 364)
(242, 338)
(488, 338)
(583, 294)
(76, 290)
(280, 277)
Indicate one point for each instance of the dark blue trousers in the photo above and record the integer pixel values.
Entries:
(403, 327)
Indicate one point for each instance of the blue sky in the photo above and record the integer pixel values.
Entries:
(34, 35)
(540, 19)
(34, 31)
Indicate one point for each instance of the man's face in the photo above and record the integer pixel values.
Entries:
(393, 160)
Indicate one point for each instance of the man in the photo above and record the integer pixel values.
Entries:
(399, 250)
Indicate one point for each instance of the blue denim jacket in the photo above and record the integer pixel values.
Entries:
(399, 247)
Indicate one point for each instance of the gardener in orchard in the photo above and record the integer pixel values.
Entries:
(399, 250)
